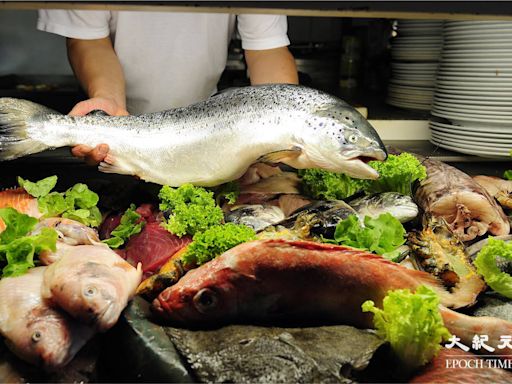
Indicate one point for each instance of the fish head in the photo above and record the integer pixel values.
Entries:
(197, 297)
(339, 139)
(91, 294)
(46, 338)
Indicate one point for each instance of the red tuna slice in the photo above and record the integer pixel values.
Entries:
(153, 246)
(148, 212)
(108, 225)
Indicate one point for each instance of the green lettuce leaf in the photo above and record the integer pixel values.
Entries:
(190, 209)
(324, 185)
(216, 240)
(381, 235)
(17, 224)
(486, 266)
(396, 174)
(17, 250)
(129, 225)
(53, 204)
(39, 188)
(411, 323)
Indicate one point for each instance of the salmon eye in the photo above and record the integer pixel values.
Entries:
(205, 300)
(36, 336)
(90, 291)
(352, 138)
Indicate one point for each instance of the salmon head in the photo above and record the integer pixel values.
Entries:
(336, 137)
(204, 293)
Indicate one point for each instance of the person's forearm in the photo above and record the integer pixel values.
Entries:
(271, 66)
(97, 68)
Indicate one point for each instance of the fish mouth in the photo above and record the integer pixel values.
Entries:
(358, 168)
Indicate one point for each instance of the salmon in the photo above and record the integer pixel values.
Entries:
(211, 142)
(301, 281)
(20, 200)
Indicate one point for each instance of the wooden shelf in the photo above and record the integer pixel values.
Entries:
(452, 10)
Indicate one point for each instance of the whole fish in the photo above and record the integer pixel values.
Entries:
(256, 216)
(466, 206)
(91, 283)
(70, 233)
(318, 218)
(35, 331)
(211, 142)
(402, 207)
(276, 280)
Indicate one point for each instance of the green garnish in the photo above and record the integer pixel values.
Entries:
(324, 185)
(39, 188)
(77, 203)
(229, 191)
(381, 235)
(507, 175)
(17, 250)
(411, 323)
(191, 209)
(396, 174)
(485, 263)
(216, 240)
(130, 225)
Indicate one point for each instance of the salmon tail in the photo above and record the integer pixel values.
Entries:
(16, 118)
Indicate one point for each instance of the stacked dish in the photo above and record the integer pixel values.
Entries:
(415, 53)
(474, 89)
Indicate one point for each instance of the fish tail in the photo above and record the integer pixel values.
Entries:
(445, 297)
(17, 117)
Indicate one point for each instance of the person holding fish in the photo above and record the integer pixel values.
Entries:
(141, 62)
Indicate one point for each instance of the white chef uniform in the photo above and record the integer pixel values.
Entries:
(169, 59)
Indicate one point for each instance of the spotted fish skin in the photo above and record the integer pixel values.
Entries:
(210, 142)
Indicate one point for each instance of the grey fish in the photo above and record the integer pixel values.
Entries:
(256, 216)
(400, 206)
(211, 142)
(319, 218)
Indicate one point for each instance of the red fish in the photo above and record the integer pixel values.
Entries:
(301, 281)
(284, 280)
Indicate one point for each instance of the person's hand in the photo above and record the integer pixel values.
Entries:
(94, 156)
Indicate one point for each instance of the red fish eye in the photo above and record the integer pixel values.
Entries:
(205, 300)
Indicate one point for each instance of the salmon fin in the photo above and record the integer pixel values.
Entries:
(16, 116)
(110, 166)
(280, 156)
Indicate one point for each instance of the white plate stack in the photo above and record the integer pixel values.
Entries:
(474, 89)
(415, 54)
